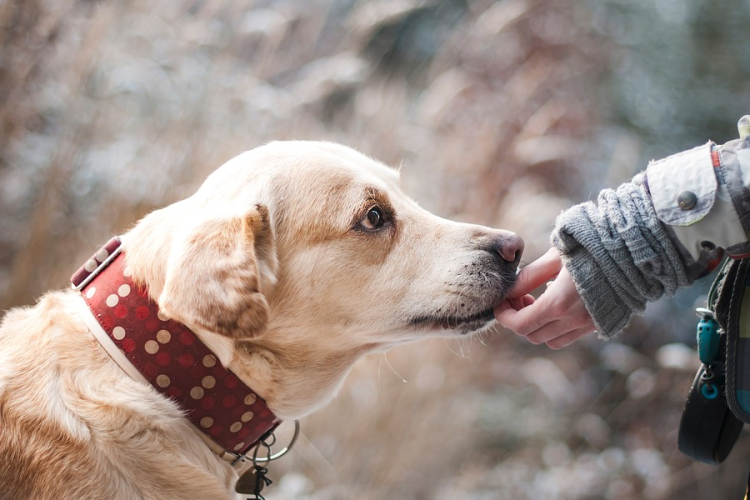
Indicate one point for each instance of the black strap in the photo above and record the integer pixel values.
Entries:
(708, 429)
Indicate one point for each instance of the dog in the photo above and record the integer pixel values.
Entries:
(290, 262)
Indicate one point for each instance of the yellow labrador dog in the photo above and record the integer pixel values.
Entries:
(291, 262)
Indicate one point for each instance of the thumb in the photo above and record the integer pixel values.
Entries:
(537, 273)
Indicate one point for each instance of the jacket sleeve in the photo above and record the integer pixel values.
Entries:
(659, 232)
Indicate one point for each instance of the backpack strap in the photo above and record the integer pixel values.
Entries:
(708, 429)
(734, 302)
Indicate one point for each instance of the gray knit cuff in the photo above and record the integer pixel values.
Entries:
(619, 256)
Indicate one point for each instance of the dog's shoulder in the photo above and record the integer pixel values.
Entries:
(72, 422)
(32, 437)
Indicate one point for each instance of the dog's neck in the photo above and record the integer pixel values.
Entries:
(294, 378)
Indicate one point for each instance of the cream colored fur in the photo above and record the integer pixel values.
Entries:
(272, 264)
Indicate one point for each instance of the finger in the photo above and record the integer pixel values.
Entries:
(570, 337)
(516, 304)
(502, 306)
(537, 273)
(560, 325)
(524, 321)
(550, 331)
(521, 302)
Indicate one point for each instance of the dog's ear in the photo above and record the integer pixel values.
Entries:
(213, 276)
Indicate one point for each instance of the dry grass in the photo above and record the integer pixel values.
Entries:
(111, 109)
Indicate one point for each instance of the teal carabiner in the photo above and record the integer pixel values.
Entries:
(708, 338)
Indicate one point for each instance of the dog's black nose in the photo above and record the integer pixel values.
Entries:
(509, 246)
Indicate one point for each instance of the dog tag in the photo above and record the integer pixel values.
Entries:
(252, 481)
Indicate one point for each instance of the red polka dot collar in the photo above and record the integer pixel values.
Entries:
(170, 356)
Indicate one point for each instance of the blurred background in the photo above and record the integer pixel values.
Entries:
(501, 113)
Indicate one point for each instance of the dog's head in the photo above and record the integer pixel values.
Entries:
(313, 246)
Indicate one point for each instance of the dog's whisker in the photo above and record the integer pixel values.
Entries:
(385, 355)
(480, 338)
(459, 354)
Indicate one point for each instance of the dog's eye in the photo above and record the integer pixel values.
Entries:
(374, 219)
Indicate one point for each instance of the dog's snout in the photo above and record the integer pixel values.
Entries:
(509, 246)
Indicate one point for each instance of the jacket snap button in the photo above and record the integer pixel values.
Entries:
(687, 200)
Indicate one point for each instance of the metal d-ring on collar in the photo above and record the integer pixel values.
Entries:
(275, 456)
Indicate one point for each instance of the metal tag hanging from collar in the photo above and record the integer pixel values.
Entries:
(253, 480)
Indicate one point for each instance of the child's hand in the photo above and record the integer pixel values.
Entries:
(558, 317)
